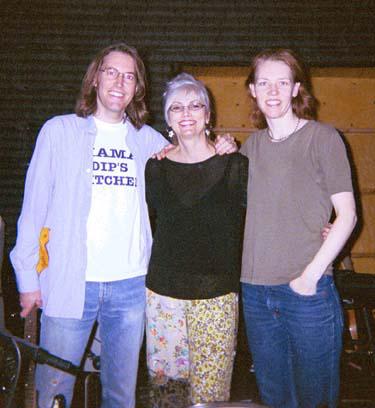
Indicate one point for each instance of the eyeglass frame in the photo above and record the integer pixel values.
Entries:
(190, 107)
(118, 73)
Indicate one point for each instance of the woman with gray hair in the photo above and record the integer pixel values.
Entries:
(198, 198)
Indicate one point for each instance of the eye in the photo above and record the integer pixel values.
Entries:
(176, 108)
(112, 72)
(261, 84)
(196, 106)
(284, 83)
(130, 77)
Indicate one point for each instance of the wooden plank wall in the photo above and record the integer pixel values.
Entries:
(347, 101)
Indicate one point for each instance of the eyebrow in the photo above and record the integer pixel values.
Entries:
(283, 78)
(126, 72)
(181, 103)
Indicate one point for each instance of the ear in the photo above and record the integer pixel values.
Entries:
(252, 90)
(296, 89)
(208, 116)
(95, 81)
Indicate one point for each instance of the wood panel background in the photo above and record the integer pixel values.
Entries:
(347, 101)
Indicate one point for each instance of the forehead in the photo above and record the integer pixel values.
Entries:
(120, 60)
(184, 96)
(273, 69)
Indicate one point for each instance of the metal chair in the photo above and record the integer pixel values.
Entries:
(10, 367)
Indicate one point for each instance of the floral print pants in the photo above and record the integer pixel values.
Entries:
(191, 346)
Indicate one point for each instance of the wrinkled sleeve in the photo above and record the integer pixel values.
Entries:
(334, 163)
(38, 189)
(156, 143)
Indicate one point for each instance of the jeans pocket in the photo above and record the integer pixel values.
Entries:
(322, 288)
(294, 293)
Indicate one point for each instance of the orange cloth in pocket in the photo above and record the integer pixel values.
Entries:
(43, 253)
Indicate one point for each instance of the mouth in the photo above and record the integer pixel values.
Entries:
(184, 123)
(116, 94)
(273, 102)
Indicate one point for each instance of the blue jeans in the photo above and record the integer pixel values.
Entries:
(119, 308)
(295, 342)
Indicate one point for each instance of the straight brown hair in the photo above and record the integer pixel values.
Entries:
(87, 101)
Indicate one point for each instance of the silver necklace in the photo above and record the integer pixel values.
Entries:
(270, 135)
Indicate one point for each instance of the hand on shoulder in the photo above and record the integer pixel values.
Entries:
(164, 152)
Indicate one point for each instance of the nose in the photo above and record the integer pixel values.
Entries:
(273, 88)
(120, 78)
(186, 111)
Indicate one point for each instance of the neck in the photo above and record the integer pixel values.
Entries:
(281, 128)
(115, 118)
(192, 151)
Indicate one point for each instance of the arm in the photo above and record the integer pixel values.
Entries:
(25, 255)
(342, 227)
(224, 144)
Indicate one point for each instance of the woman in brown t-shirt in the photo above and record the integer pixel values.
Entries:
(298, 173)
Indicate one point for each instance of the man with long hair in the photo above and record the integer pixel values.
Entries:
(85, 200)
(85, 189)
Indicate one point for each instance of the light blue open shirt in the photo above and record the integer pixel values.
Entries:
(58, 196)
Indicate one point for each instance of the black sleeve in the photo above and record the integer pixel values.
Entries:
(243, 176)
(151, 180)
(238, 177)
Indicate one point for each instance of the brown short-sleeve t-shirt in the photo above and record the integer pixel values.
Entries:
(289, 188)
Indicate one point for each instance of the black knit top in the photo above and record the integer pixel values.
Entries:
(199, 211)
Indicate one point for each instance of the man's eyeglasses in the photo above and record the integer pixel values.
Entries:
(192, 107)
(113, 74)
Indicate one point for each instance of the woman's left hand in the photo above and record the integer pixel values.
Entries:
(225, 144)
(303, 285)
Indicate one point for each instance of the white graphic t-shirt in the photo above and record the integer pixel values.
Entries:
(115, 245)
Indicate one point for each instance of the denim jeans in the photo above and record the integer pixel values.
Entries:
(295, 342)
(119, 308)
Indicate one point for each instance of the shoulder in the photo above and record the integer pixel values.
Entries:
(153, 166)
(152, 163)
(147, 131)
(153, 170)
(148, 140)
(66, 122)
(238, 164)
(320, 129)
(251, 141)
(66, 119)
(236, 159)
(324, 136)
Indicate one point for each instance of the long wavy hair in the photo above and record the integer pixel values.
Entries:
(305, 104)
(87, 101)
